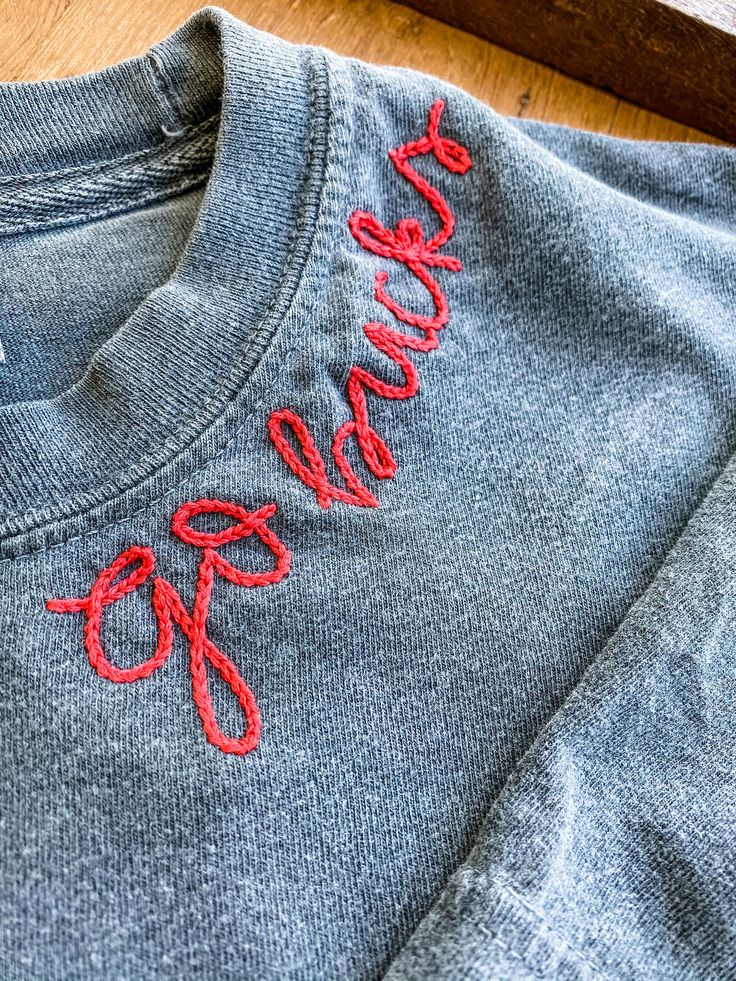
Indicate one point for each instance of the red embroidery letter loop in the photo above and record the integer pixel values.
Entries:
(407, 244)
(169, 609)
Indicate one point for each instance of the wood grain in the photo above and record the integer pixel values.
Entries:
(56, 38)
(675, 56)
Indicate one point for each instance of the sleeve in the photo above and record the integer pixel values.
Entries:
(611, 851)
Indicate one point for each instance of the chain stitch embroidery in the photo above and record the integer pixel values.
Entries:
(406, 244)
(169, 609)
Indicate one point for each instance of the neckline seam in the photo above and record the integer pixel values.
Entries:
(124, 205)
(18, 530)
(136, 185)
(170, 143)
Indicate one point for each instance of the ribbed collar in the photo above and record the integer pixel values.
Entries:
(190, 343)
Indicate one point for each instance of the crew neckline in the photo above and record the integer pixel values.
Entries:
(187, 351)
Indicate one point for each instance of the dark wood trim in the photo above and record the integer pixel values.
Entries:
(676, 57)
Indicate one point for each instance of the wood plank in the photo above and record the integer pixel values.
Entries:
(55, 38)
(677, 57)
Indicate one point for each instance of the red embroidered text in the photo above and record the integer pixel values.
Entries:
(138, 562)
(409, 245)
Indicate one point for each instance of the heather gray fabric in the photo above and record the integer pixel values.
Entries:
(498, 709)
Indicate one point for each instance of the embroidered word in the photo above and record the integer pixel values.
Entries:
(407, 244)
(139, 562)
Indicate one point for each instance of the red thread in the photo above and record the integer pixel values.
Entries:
(106, 591)
(407, 244)
(168, 608)
(313, 473)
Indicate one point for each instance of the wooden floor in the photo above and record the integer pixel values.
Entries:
(53, 38)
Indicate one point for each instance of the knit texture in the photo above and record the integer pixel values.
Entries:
(367, 530)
